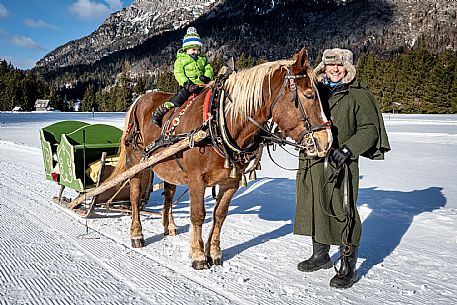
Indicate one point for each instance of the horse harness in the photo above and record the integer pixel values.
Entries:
(220, 138)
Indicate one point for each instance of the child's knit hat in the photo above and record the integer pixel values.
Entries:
(192, 39)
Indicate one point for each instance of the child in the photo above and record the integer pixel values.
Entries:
(191, 69)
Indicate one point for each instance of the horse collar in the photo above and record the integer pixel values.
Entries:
(221, 139)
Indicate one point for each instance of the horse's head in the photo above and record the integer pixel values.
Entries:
(297, 109)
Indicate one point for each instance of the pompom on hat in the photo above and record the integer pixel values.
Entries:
(337, 57)
(192, 39)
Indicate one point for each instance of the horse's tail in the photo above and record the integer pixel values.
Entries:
(122, 163)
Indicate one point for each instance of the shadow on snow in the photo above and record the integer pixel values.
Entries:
(392, 213)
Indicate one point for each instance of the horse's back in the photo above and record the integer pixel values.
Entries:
(152, 100)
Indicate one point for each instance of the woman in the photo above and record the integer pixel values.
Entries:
(323, 210)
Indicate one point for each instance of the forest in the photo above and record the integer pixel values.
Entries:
(416, 81)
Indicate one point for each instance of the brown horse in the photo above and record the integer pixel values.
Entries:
(283, 91)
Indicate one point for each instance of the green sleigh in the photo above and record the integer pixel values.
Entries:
(69, 147)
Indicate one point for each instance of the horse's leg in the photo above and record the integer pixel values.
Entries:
(213, 248)
(197, 217)
(136, 235)
(168, 221)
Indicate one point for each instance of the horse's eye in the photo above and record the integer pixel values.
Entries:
(310, 96)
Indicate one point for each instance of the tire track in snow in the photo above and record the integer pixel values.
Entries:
(38, 267)
(212, 281)
(142, 273)
(247, 278)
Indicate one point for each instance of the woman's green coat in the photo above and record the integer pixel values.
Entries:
(357, 123)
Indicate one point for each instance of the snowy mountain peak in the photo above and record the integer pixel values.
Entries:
(128, 28)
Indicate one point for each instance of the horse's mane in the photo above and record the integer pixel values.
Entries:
(246, 87)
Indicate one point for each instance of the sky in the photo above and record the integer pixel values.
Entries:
(407, 203)
(29, 29)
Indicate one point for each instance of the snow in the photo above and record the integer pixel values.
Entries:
(408, 205)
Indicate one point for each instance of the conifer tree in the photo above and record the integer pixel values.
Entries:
(244, 62)
(88, 103)
(124, 92)
(453, 95)
(140, 86)
(217, 63)
(102, 100)
(54, 101)
(166, 81)
(440, 85)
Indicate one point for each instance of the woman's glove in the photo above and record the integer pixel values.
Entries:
(341, 155)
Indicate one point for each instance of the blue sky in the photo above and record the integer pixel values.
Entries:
(29, 29)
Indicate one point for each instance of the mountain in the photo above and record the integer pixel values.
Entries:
(148, 33)
(127, 29)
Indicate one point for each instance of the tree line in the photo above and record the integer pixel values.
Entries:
(19, 89)
(417, 81)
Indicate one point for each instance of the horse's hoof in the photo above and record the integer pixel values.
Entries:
(200, 265)
(137, 242)
(212, 262)
(172, 232)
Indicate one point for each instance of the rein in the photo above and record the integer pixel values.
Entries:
(307, 135)
(227, 148)
(348, 212)
(221, 139)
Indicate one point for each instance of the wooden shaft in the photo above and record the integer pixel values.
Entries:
(155, 158)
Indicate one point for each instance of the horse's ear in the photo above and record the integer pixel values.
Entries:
(228, 68)
(301, 62)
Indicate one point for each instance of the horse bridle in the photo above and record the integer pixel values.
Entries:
(226, 147)
(305, 140)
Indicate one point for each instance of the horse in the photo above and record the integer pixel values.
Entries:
(283, 91)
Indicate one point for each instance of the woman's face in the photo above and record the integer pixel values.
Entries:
(335, 72)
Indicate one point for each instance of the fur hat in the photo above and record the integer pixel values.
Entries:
(192, 39)
(340, 57)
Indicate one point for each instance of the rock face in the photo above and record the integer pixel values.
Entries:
(126, 29)
(148, 33)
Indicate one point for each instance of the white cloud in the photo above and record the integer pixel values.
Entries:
(20, 41)
(94, 10)
(3, 11)
(25, 42)
(39, 24)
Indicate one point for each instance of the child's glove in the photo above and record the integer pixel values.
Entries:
(190, 86)
(205, 79)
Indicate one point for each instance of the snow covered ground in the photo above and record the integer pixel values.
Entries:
(408, 205)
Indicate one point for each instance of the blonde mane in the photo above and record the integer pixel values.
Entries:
(246, 87)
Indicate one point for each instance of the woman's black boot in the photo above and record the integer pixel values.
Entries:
(347, 275)
(319, 260)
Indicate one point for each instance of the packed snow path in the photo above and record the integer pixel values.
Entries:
(408, 204)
